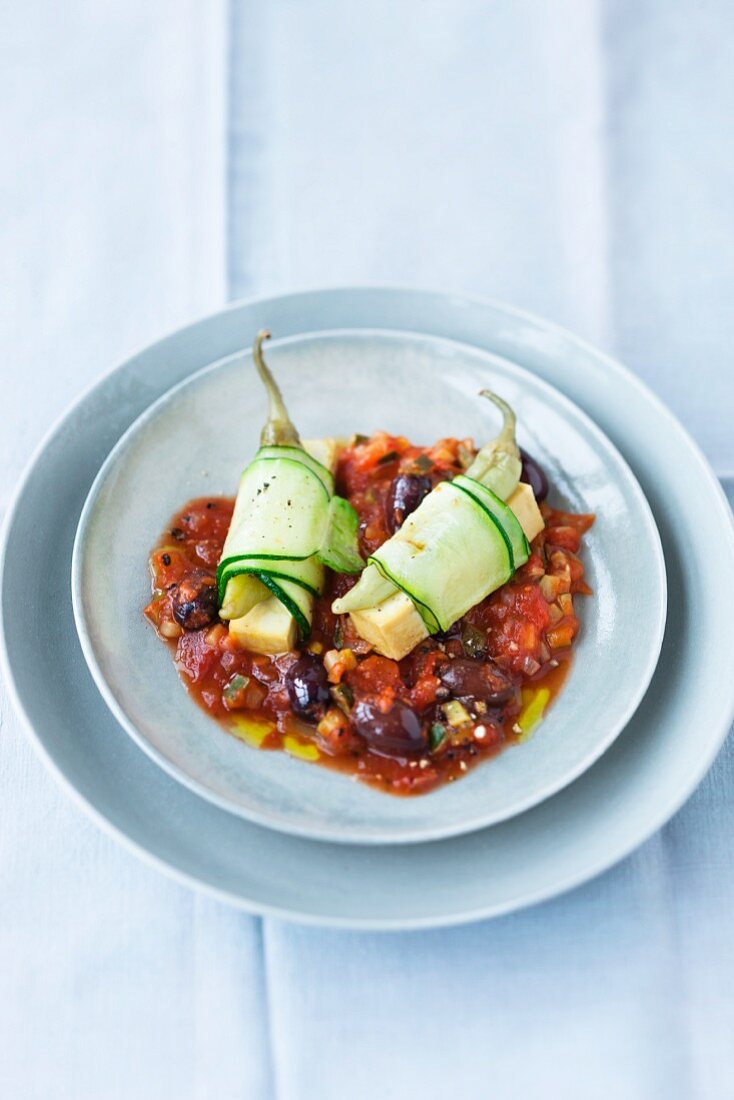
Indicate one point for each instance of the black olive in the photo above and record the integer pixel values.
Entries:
(396, 733)
(467, 679)
(406, 493)
(307, 686)
(194, 601)
(533, 475)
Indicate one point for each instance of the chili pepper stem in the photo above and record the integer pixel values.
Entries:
(278, 430)
(506, 437)
(499, 460)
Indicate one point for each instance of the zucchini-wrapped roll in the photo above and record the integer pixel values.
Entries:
(287, 525)
(461, 543)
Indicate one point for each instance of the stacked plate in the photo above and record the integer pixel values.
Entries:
(647, 705)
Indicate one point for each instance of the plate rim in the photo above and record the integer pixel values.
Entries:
(581, 873)
(281, 823)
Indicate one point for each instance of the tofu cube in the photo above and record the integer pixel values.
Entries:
(325, 451)
(394, 627)
(268, 628)
(524, 505)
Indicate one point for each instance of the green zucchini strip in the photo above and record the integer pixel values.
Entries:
(286, 523)
(444, 556)
(426, 613)
(373, 588)
(340, 546)
(310, 583)
(460, 544)
(294, 600)
(508, 521)
(298, 454)
(503, 516)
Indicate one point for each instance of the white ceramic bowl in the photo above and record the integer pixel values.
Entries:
(195, 440)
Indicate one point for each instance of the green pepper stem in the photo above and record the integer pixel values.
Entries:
(506, 438)
(279, 430)
(497, 464)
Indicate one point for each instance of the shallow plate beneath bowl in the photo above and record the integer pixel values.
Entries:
(195, 441)
(630, 792)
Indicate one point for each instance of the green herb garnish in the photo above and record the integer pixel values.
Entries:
(436, 735)
(234, 691)
(343, 697)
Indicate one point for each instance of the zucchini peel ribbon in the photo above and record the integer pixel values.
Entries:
(287, 522)
(460, 544)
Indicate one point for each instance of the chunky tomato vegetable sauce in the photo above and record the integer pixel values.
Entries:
(464, 694)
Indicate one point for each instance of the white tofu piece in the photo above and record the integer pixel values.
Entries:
(325, 451)
(394, 627)
(268, 628)
(524, 505)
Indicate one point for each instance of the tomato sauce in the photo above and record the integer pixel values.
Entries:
(518, 641)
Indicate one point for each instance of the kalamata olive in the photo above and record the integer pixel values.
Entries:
(307, 686)
(467, 679)
(534, 476)
(194, 602)
(396, 733)
(406, 493)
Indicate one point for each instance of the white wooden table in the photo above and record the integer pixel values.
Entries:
(571, 156)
